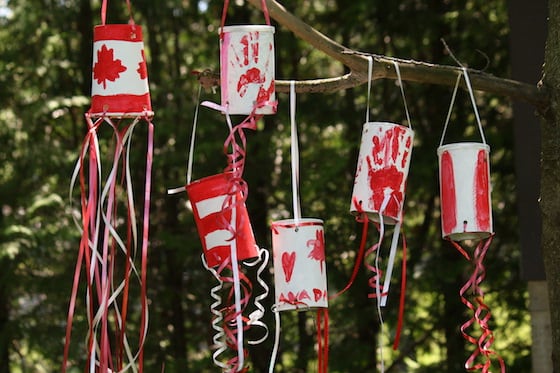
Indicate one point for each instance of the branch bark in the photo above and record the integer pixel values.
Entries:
(414, 71)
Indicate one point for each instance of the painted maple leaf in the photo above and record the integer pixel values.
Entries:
(107, 67)
(142, 70)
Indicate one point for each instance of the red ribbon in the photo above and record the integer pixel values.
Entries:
(226, 5)
(104, 12)
(361, 217)
(481, 312)
(402, 297)
(100, 266)
(230, 315)
(323, 340)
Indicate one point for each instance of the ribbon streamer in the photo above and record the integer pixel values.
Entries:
(481, 312)
(102, 246)
(255, 316)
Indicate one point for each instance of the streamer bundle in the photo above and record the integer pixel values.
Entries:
(378, 197)
(466, 214)
(114, 238)
(228, 243)
(300, 276)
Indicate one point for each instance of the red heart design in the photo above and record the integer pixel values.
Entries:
(318, 294)
(288, 261)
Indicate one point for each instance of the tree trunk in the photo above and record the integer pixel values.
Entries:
(5, 332)
(550, 176)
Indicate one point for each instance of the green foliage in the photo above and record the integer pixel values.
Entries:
(45, 77)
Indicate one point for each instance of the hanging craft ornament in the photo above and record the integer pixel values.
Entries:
(378, 197)
(226, 235)
(110, 243)
(466, 214)
(300, 276)
(247, 67)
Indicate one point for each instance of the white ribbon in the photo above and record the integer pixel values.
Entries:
(294, 148)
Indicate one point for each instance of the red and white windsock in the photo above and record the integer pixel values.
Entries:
(119, 77)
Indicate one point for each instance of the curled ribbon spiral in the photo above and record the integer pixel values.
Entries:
(481, 312)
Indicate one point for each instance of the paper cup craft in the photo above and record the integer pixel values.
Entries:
(247, 69)
(464, 177)
(212, 213)
(119, 78)
(300, 275)
(382, 170)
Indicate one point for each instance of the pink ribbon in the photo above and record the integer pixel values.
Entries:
(481, 312)
(100, 245)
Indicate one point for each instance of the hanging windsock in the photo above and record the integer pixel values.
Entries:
(378, 197)
(114, 235)
(466, 216)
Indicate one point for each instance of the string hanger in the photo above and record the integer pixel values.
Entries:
(463, 73)
(225, 8)
(399, 82)
(104, 12)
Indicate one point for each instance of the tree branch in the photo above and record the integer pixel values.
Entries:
(414, 71)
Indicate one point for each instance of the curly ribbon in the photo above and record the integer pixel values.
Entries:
(235, 143)
(233, 319)
(218, 338)
(100, 244)
(481, 312)
(256, 316)
(276, 339)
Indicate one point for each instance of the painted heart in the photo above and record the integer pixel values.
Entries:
(288, 261)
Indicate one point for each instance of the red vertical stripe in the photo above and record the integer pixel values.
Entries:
(448, 198)
(482, 191)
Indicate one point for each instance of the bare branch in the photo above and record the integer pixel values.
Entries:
(383, 68)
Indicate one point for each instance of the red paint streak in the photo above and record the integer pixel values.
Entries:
(245, 42)
(317, 248)
(264, 94)
(253, 75)
(447, 189)
(250, 44)
(481, 192)
(142, 70)
(381, 179)
(255, 47)
(406, 152)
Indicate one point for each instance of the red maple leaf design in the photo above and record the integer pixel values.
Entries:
(142, 70)
(107, 67)
(317, 247)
